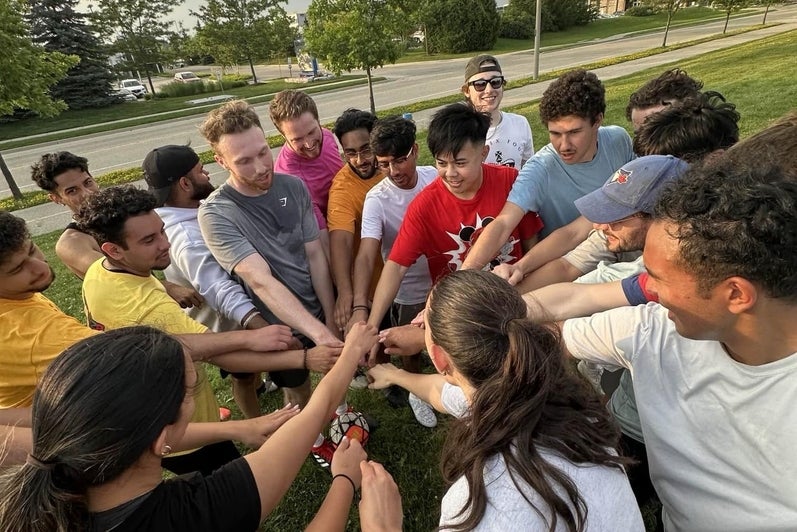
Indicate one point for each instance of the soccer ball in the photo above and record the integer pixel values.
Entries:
(350, 424)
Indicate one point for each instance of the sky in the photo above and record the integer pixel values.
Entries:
(182, 13)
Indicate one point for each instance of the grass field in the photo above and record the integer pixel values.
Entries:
(755, 76)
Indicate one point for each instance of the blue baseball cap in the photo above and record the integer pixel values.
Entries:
(633, 188)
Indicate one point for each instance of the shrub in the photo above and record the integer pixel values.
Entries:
(640, 11)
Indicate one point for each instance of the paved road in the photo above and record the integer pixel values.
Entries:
(45, 218)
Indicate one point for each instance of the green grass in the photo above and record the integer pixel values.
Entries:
(750, 75)
(598, 29)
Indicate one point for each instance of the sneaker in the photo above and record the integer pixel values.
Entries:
(224, 413)
(423, 411)
(359, 382)
(593, 373)
(323, 453)
(267, 386)
(396, 396)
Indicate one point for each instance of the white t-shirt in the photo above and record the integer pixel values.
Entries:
(510, 141)
(383, 212)
(605, 490)
(720, 435)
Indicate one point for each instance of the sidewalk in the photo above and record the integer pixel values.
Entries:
(50, 217)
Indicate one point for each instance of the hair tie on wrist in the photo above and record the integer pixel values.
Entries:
(347, 477)
(305, 358)
(39, 464)
(360, 307)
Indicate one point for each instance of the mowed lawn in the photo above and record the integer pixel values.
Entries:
(755, 76)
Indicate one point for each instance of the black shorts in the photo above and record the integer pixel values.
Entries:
(285, 378)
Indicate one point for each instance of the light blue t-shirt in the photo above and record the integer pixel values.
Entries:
(549, 187)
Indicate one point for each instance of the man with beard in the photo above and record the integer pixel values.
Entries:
(345, 209)
(67, 180)
(178, 180)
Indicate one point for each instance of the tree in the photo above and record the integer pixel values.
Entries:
(361, 34)
(139, 31)
(57, 27)
(666, 6)
(729, 6)
(248, 30)
(28, 71)
(517, 19)
(457, 26)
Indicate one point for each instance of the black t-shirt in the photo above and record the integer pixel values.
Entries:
(227, 500)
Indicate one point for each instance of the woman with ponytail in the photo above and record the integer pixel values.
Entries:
(109, 408)
(533, 448)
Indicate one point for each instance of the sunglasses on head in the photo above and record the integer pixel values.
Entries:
(480, 84)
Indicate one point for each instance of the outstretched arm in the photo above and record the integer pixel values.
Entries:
(563, 301)
(493, 236)
(427, 387)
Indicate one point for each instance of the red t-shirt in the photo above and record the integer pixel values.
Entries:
(443, 227)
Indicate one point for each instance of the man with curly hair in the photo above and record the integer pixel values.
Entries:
(67, 180)
(582, 154)
(714, 364)
(670, 87)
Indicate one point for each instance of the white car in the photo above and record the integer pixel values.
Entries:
(135, 86)
(186, 77)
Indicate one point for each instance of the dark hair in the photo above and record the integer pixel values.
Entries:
(524, 398)
(393, 136)
(776, 143)
(736, 221)
(96, 410)
(690, 129)
(353, 119)
(578, 93)
(104, 214)
(13, 235)
(232, 117)
(454, 125)
(52, 165)
(672, 85)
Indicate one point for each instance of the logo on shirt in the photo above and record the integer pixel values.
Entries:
(467, 236)
(284, 201)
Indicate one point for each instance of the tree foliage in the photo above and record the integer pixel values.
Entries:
(57, 27)
(27, 71)
(139, 31)
(243, 30)
(356, 34)
(458, 26)
(517, 20)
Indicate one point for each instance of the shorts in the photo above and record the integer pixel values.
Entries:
(404, 314)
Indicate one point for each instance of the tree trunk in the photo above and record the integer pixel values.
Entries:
(12, 185)
(765, 13)
(727, 18)
(149, 80)
(370, 89)
(252, 68)
(667, 29)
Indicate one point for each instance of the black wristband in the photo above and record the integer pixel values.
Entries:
(347, 477)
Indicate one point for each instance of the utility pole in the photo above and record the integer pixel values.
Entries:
(537, 31)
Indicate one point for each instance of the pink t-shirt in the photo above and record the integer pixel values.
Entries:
(316, 173)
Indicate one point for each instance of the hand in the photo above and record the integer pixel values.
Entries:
(321, 358)
(254, 432)
(271, 338)
(361, 338)
(509, 272)
(381, 376)
(405, 340)
(347, 458)
(184, 295)
(357, 316)
(343, 310)
(328, 336)
(418, 319)
(380, 500)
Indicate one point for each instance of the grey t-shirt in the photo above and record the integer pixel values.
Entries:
(605, 490)
(275, 225)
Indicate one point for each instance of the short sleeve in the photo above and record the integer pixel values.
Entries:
(408, 245)
(528, 151)
(341, 213)
(605, 337)
(453, 400)
(586, 256)
(635, 289)
(372, 225)
(527, 191)
(166, 314)
(225, 241)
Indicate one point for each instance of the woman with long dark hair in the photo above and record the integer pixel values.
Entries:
(534, 449)
(110, 407)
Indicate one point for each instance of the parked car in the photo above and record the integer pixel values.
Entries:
(135, 86)
(186, 77)
(125, 95)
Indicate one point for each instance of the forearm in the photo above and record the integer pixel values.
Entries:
(204, 346)
(386, 291)
(322, 284)
(19, 417)
(254, 361)
(563, 301)
(556, 271)
(334, 511)
(556, 245)
(288, 309)
(361, 282)
(340, 248)
(487, 245)
(201, 434)
(426, 386)
(17, 442)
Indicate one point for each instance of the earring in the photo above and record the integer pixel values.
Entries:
(444, 372)
(167, 449)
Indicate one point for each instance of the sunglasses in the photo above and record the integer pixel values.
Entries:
(480, 84)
